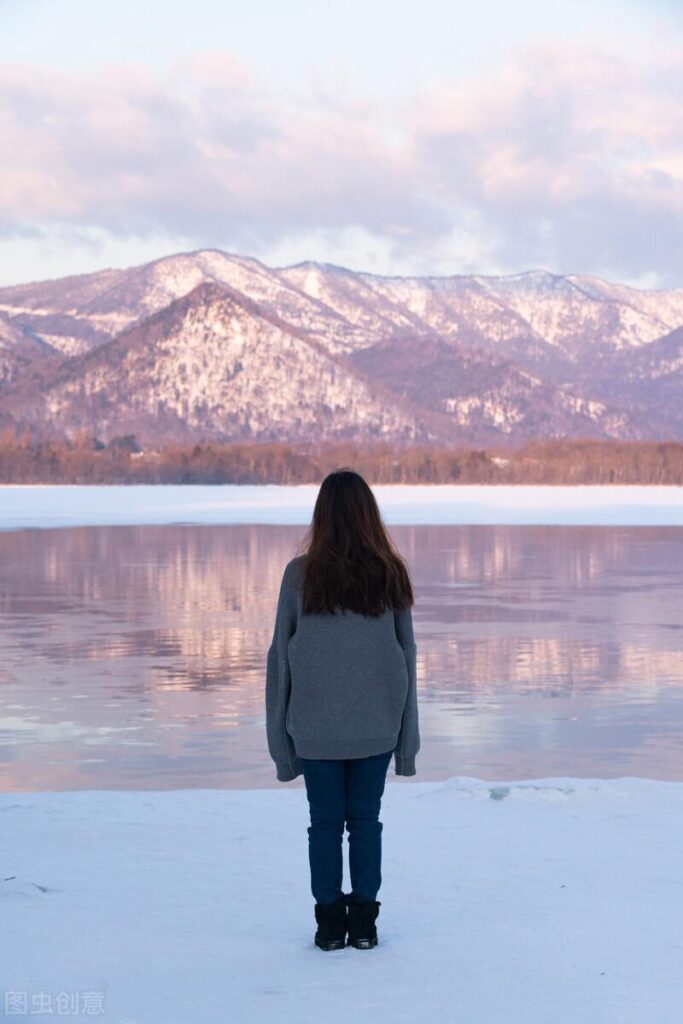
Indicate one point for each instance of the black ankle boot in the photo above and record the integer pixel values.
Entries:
(360, 923)
(331, 918)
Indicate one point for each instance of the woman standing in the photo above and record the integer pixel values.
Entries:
(341, 696)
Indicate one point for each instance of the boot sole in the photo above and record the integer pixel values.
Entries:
(336, 944)
(363, 943)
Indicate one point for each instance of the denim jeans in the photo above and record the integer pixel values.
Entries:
(345, 791)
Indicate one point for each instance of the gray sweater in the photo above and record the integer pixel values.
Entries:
(339, 686)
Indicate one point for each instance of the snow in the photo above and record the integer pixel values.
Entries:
(33, 506)
(549, 901)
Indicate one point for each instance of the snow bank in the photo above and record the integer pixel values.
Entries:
(551, 901)
(36, 505)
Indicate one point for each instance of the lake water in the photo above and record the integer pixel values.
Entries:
(133, 656)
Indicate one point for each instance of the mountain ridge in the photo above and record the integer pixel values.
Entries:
(418, 359)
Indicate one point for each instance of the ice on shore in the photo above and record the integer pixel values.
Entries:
(551, 901)
(31, 506)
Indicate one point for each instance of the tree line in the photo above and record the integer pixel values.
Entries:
(84, 459)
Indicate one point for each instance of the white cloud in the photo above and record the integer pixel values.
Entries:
(568, 156)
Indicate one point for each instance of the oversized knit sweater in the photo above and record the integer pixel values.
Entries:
(339, 685)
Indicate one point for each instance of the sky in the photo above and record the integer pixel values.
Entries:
(438, 137)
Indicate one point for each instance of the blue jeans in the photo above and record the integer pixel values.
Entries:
(345, 791)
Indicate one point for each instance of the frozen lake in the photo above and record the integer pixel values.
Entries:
(135, 623)
(447, 504)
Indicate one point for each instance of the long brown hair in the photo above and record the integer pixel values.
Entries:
(351, 561)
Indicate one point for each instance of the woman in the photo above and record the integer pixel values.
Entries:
(341, 696)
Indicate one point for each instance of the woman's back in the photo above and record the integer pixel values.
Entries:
(350, 675)
(349, 679)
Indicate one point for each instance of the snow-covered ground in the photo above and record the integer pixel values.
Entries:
(552, 901)
(65, 505)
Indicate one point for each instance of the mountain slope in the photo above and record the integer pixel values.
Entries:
(79, 313)
(653, 379)
(214, 364)
(332, 351)
(22, 355)
(492, 399)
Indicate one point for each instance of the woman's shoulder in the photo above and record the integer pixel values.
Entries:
(294, 567)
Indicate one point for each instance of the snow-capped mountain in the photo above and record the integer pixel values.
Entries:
(209, 344)
(22, 353)
(214, 364)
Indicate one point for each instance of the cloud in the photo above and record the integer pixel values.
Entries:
(568, 156)
(571, 156)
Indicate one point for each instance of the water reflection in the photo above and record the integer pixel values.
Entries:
(134, 656)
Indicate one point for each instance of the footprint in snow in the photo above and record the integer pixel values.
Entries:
(15, 888)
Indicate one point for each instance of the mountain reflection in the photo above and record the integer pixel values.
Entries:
(134, 657)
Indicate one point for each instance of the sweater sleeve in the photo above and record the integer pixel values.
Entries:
(409, 736)
(279, 682)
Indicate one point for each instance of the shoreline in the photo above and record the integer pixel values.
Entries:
(24, 505)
